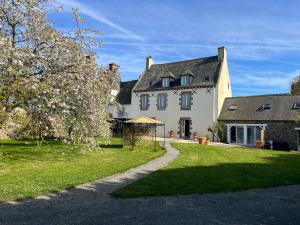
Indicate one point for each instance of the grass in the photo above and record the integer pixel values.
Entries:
(208, 169)
(28, 170)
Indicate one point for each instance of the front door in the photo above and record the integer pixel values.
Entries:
(185, 128)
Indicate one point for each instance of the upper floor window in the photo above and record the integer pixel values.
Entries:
(165, 82)
(144, 101)
(186, 100)
(162, 101)
(185, 80)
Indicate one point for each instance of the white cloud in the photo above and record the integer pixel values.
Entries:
(100, 18)
(270, 81)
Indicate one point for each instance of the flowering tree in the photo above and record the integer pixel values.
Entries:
(52, 75)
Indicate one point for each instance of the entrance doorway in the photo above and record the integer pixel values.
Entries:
(185, 128)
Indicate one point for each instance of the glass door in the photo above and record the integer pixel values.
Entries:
(251, 135)
(239, 134)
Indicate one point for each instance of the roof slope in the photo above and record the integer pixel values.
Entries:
(124, 95)
(250, 108)
(199, 68)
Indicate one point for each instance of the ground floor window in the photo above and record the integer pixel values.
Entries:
(246, 134)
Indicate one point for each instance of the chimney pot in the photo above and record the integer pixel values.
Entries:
(113, 66)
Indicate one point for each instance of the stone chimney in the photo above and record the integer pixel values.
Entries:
(113, 66)
(222, 53)
(149, 62)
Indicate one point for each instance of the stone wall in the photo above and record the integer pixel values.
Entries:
(279, 131)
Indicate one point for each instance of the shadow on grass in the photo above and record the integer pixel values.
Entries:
(283, 169)
(90, 199)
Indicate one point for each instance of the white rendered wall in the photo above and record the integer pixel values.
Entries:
(223, 87)
(201, 112)
(114, 111)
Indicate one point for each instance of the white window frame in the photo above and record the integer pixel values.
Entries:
(245, 141)
(162, 101)
(186, 100)
(165, 82)
(144, 102)
(185, 80)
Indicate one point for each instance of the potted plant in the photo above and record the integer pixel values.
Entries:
(260, 144)
(195, 135)
(201, 140)
(171, 133)
(207, 139)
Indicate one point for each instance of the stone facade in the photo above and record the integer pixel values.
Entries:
(276, 131)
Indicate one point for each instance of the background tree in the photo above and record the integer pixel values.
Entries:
(295, 86)
(52, 75)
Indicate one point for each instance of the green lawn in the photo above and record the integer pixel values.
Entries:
(205, 169)
(27, 170)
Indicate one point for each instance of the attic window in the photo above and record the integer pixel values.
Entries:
(266, 106)
(296, 105)
(232, 107)
(206, 78)
(165, 82)
(185, 80)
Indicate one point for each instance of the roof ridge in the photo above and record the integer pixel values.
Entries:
(263, 95)
(187, 60)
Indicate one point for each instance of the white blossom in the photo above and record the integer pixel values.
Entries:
(52, 75)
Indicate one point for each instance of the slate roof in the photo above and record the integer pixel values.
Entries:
(124, 95)
(199, 68)
(250, 108)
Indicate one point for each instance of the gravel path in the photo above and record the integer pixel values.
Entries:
(91, 204)
(109, 184)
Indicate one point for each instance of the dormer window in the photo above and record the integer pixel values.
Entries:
(165, 82)
(185, 80)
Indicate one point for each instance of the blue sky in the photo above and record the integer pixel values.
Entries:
(262, 37)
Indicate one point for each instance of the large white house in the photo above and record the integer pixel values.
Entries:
(186, 95)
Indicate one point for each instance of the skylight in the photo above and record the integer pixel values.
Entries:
(266, 106)
(232, 107)
(296, 105)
